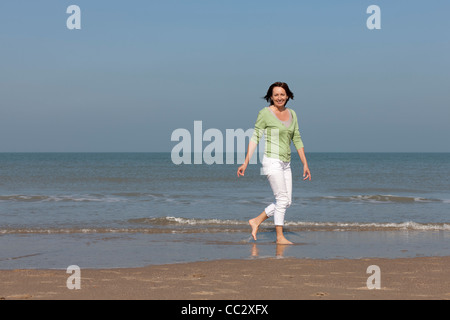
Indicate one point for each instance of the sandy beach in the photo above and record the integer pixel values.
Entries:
(253, 279)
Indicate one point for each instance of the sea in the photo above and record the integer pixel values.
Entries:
(115, 210)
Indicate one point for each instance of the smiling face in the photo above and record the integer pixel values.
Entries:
(279, 97)
(278, 94)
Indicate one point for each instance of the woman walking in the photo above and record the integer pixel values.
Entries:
(280, 126)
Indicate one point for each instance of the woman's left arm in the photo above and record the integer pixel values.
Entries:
(306, 172)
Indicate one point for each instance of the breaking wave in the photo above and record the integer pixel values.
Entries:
(187, 225)
(379, 199)
(59, 198)
(124, 196)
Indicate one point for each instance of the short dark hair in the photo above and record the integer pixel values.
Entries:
(268, 96)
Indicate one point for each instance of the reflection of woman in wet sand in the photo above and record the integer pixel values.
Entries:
(280, 126)
(279, 253)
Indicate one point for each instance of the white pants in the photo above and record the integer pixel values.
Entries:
(280, 177)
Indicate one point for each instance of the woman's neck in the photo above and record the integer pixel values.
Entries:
(280, 109)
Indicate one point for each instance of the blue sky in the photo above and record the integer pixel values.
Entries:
(138, 70)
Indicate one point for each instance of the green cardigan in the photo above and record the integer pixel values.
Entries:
(278, 137)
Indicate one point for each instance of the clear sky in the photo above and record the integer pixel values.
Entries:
(138, 70)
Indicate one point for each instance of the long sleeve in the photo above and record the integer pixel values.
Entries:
(296, 138)
(260, 125)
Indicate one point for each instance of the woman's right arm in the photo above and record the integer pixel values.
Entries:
(251, 149)
(254, 140)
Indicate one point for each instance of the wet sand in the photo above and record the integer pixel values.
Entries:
(254, 279)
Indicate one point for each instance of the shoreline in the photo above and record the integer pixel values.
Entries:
(418, 278)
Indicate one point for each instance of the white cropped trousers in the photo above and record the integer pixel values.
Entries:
(280, 178)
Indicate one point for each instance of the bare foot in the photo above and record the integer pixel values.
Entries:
(254, 224)
(284, 241)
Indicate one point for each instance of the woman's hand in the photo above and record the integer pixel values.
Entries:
(241, 170)
(306, 173)
(251, 148)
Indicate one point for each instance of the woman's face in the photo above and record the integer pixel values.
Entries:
(279, 97)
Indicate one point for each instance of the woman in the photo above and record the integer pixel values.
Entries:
(280, 126)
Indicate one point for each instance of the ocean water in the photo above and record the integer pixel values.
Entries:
(107, 210)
